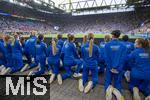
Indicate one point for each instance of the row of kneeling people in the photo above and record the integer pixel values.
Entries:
(117, 58)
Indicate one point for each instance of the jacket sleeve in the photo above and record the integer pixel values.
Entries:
(3, 51)
(75, 51)
(45, 49)
(107, 56)
(48, 51)
(82, 52)
(123, 58)
(97, 53)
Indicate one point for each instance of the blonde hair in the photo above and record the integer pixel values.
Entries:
(85, 39)
(107, 38)
(54, 48)
(91, 38)
(90, 48)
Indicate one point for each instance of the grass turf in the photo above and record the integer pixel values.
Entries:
(76, 35)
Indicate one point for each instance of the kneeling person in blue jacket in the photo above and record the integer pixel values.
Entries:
(53, 53)
(90, 54)
(115, 54)
(139, 76)
(40, 56)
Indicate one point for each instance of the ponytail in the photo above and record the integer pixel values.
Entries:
(91, 38)
(54, 48)
(6, 40)
(90, 48)
(145, 43)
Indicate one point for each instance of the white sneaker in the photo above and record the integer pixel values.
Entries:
(30, 73)
(59, 78)
(118, 94)
(61, 63)
(147, 98)
(50, 72)
(25, 68)
(46, 61)
(3, 69)
(79, 75)
(127, 75)
(109, 92)
(75, 75)
(88, 87)
(8, 70)
(136, 95)
(81, 87)
(52, 78)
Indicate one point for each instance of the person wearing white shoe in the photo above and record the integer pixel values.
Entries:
(90, 53)
(118, 94)
(81, 87)
(53, 53)
(70, 58)
(140, 72)
(147, 98)
(136, 94)
(109, 92)
(115, 54)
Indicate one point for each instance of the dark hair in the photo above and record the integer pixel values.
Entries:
(125, 38)
(16, 36)
(145, 44)
(40, 38)
(22, 40)
(71, 37)
(59, 36)
(91, 43)
(116, 33)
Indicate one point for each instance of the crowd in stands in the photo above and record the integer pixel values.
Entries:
(22, 25)
(101, 23)
(80, 24)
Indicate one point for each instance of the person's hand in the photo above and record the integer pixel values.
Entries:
(114, 71)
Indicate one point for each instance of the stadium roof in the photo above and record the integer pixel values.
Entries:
(79, 7)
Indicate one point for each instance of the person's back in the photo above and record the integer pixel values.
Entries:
(60, 41)
(70, 52)
(142, 60)
(102, 47)
(115, 54)
(129, 45)
(139, 76)
(16, 47)
(40, 49)
(2, 53)
(50, 52)
(30, 45)
(90, 61)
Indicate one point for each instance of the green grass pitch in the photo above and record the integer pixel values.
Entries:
(76, 36)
